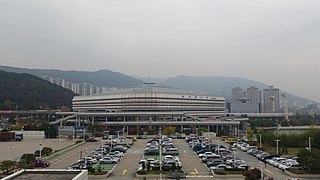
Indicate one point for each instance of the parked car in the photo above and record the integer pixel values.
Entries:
(108, 160)
(220, 167)
(40, 163)
(91, 140)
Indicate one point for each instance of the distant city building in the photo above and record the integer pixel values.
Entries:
(79, 88)
(271, 100)
(246, 101)
(253, 94)
(237, 94)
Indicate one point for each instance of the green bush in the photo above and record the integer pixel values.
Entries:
(46, 151)
(8, 167)
(27, 158)
(142, 172)
(79, 141)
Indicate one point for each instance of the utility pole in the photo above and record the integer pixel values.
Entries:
(260, 140)
(277, 141)
(160, 154)
(309, 144)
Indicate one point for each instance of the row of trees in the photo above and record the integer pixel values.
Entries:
(310, 160)
(292, 140)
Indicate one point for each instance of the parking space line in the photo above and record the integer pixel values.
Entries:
(195, 170)
(269, 171)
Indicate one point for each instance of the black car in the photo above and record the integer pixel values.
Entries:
(264, 158)
(91, 140)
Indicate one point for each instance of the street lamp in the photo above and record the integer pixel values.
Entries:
(59, 142)
(160, 154)
(261, 167)
(40, 145)
(9, 148)
(309, 144)
(260, 140)
(277, 143)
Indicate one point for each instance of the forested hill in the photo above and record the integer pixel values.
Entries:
(25, 92)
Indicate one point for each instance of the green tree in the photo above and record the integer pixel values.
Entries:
(201, 130)
(253, 174)
(46, 151)
(49, 130)
(309, 159)
(250, 133)
(96, 129)
(8, 105)
(169, 130)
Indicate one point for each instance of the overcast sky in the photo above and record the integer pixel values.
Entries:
(273, 41)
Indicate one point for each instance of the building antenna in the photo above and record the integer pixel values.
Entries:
(224, 91)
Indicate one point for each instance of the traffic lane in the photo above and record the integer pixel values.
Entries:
(74, 155)
(191, 163)
(127, 166)
(17, 148)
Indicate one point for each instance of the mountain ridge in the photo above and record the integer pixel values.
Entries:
(213, 85)
(25, 91)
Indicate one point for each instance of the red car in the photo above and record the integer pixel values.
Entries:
(40, 163)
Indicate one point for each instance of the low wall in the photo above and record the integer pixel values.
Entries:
(32, 134)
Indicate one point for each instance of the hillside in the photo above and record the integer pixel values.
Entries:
(220, 86)
(105, 78)
(24, 91)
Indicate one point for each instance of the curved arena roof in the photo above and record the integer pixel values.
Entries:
(150, 98)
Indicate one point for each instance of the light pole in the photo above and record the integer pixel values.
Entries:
(59, 142)
(160, 154)
(277, 143)
(9, 148)
(309, 144)
(261, 167)
(218, 146)
(40, 148)
(260, 140)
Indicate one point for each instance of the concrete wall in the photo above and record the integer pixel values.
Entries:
(83, 175)
(32, 134)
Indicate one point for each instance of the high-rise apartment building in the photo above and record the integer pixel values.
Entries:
(246, 101)
(271, 100)
(253, 94)
(237, 94)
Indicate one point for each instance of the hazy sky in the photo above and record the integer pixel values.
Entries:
(273, 41)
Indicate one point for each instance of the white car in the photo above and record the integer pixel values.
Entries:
(220, 167)
(206, 154)
(108, 160)
(277, 161)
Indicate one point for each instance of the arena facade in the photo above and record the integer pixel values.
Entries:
(150, 106)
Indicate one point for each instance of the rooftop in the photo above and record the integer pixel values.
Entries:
(47, 174)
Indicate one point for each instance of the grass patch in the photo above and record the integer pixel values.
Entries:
(291, 151)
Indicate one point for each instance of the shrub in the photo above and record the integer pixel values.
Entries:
(142, 172)
(78, 141)
(27, 158)
(46, 151)
(253, 174)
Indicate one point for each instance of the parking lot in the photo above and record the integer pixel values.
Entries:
(127, 167)
(15, 149)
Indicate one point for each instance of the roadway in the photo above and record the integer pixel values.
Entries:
(15, 149)
(268, 171)
(72, 156)
(127, 167)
